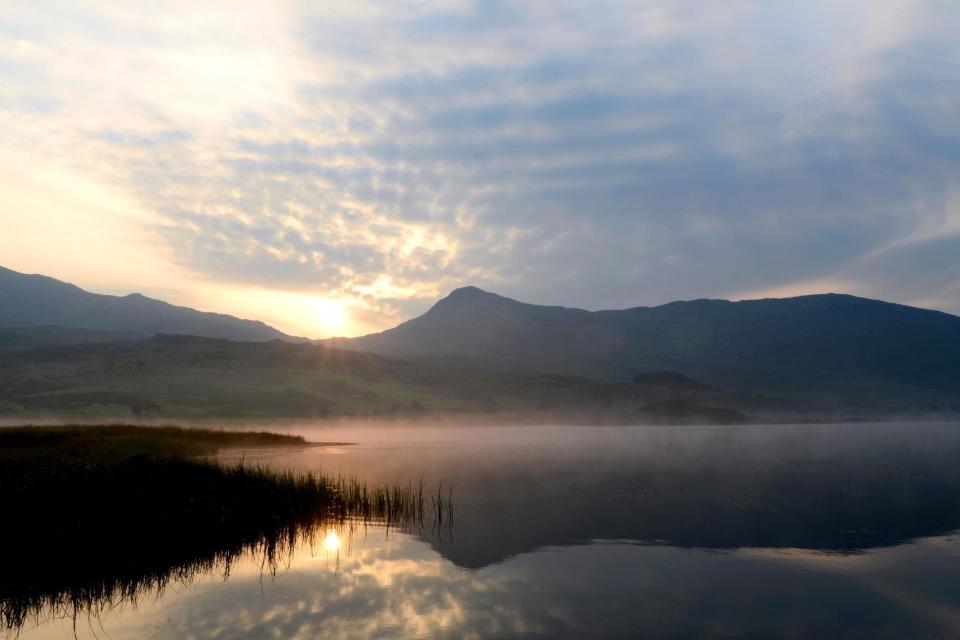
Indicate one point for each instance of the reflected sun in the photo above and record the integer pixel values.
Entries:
(332, 541)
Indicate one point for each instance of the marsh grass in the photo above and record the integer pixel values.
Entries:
(95, 516)
(63, 444)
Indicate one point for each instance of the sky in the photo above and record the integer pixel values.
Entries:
(334, 168)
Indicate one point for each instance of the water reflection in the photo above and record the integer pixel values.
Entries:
(397, 587)
(332, 541)
(81, 589)
(840, 488)
(683, 533)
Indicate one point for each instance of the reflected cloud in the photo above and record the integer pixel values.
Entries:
(398, 587)
(767, 531)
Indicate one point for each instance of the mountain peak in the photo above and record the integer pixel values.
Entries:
(471, 297)
(470, 291)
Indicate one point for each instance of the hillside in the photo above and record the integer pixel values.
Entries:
(35, 300)
(825, 346)
(21, 337)
(186, 376)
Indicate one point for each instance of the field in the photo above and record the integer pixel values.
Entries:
(187, 377)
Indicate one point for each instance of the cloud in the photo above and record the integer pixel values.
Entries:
(622, 154)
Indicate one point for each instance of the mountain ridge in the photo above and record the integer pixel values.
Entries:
(832, 342)
(35, 300)
(468, 291)
(832, 346)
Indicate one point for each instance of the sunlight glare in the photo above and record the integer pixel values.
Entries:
(332, 541)
(302, 314)
(331, 315)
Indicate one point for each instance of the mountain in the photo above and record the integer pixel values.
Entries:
(829, 346)
(36, 300)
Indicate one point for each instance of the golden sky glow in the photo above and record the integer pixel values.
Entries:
(334, 168)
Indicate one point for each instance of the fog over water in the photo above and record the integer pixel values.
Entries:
(842, 531)
(832, 487)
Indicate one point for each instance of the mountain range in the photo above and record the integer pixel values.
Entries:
(833, 344)
(39, 301)
(475, 350)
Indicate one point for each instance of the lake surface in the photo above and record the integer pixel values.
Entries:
(813, 531)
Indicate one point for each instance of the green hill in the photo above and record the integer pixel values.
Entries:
(187, 376)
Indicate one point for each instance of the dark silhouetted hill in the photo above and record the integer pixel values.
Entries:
(826, 345)
(35, 301)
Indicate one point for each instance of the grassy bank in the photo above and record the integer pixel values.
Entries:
(96, 514)
(30, 446)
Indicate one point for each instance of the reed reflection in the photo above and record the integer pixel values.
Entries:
(80, 590)
(99, 516)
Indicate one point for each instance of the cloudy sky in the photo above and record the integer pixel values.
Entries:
(333, 168)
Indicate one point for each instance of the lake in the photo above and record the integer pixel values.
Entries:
(761, 531)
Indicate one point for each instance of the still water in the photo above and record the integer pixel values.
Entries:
(812, 531)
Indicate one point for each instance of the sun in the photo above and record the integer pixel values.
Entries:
(329, 314)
